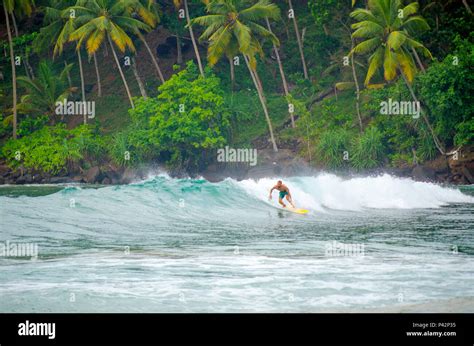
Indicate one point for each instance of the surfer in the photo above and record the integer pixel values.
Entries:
(284, 191)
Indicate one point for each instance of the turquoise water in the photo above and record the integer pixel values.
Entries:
(169, 245)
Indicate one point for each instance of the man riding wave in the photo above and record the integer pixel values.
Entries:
(284, 191)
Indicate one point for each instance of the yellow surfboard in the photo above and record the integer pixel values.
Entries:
(295, 210)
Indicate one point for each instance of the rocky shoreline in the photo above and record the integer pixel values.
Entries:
(445, 170)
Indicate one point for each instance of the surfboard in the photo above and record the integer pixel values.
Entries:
(295, 210)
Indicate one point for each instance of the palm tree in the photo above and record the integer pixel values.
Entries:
(107, 19)
(147, 10)
(230, 24)
(8, 7)
(298, 39)
(386, 29)
(178, 4)
(60, 25)
(282, 72)
(45, 91)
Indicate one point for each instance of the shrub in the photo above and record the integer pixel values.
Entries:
(49, 149)
(187, 118)
(368, 149)
(331, 147)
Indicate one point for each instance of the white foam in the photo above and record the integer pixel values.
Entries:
(380, 192)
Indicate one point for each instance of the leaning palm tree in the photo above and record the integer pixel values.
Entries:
(178, 4)
(147, 10)
(60, 24)
(299, 41)
(9, 7)
(230, 24)
(282, 72)
(107, 19)
(386, 29)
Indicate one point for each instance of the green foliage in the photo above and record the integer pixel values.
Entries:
(50, 148)
(29, 124)
(368, 149)
(44, 91)
(446, 89)
(388, 38)
(187, 117)
(131, 147)
(324, 10)
(21, 45)
(331, 147)
(5, 126)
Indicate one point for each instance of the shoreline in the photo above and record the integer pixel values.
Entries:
(284, 164)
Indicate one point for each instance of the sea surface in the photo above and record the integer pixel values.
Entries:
(188, 245)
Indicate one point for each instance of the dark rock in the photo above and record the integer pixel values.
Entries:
(77, 179)
(2, 180)
(398, 172)
(128, 176)
(468, 175)
(264, 171)
(5, 170)
(421, 173)
(28, 178)
(21, 180)
(59, 180)
(92, 175)
(440, 165)
(106, 181)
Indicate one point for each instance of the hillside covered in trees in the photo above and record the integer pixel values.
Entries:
(93, 90)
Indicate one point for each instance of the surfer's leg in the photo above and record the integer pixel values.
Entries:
(281, 202)
(290, 201)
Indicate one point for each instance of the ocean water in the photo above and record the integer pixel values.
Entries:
(184, 245)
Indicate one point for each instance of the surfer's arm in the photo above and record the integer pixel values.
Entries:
(270, 196)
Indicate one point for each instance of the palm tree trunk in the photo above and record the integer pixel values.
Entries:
(83, 89)
(99, 84)
(153, 58)
(262, 101)
(282, 72)
(28, 65)
(179, 57)
(466, 5)
(436, 141)
(193, 39)
(260, 85)
(12, 59)
(232, 73)
(298, 39)
(15, 27)
(68, 75)
(418, 60)
(139, 80)
(28, 69)
(356, 82)
(121, 72)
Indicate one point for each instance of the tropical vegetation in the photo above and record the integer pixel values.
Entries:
(172, 81)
